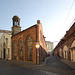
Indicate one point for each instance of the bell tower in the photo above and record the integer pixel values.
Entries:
(16, 25)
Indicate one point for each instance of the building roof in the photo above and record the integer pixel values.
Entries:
(5, 31)
(1, 35)
(25, 30)
(48, 42)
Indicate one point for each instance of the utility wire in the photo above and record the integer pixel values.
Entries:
(68, 14)
(71, 24)
(69, 11)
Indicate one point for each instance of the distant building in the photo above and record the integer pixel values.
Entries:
(5, 45)
(50, 46)
(24, 42)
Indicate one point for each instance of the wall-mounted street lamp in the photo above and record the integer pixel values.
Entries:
(37, 45)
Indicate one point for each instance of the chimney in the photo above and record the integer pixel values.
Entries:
(38, 21)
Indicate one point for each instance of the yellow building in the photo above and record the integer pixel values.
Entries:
(5, 46)
(72, 49)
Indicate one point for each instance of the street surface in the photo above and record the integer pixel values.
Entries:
(52, 66)
(12, 69)
(55, 65)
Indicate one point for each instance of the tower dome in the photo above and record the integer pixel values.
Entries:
(16, 17)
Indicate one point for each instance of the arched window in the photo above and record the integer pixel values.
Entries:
(3, 45)
(65, 52)
(29, 47)
(21, 49)
(16, 23)
(15, 51)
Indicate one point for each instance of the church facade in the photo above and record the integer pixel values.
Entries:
(24, 42)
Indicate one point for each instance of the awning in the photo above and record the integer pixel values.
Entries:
(72, 48)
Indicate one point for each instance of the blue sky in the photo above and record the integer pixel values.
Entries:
(52, 13)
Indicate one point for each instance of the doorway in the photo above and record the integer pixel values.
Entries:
(4, 54)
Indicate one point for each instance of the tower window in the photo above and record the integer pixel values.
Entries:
(16, 23)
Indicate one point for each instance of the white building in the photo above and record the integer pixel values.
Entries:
(5, 46)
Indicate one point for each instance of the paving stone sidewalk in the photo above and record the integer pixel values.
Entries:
(70, 63)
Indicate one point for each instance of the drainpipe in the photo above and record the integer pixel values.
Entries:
(37, 35)
(36, 41)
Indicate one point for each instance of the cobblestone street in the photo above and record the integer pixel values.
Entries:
(51, 66)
